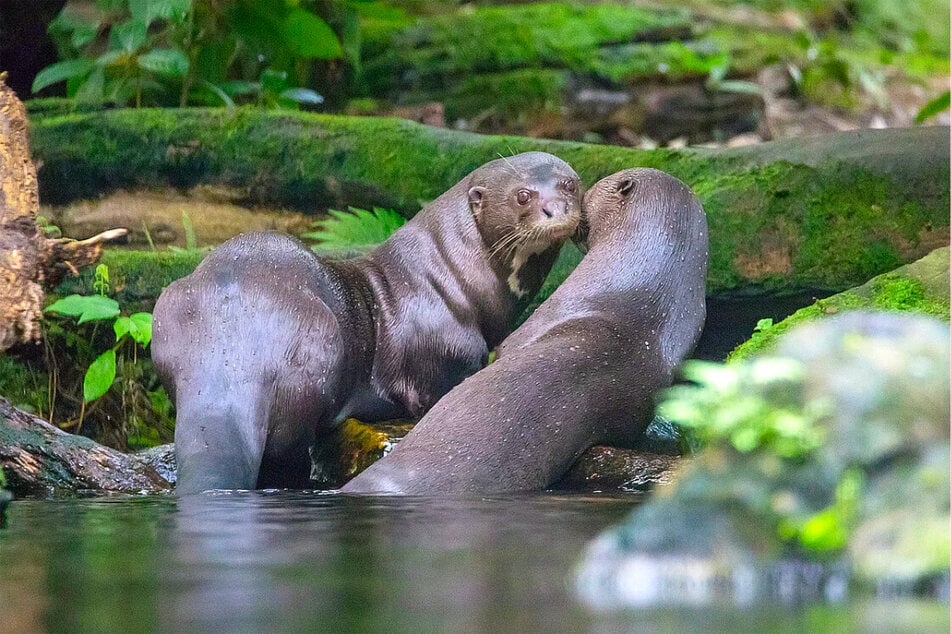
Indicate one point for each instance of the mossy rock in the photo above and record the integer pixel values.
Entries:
(826, 473)
(351, 448)
(920, 287)
(816, 219)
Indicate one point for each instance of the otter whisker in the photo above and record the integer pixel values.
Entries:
(510, 164)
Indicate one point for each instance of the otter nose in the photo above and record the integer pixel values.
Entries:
(552, 208)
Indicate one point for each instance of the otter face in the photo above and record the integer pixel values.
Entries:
(523, 206)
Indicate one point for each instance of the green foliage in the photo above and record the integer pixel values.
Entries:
(100, 376)
(176, 52)
(87, 308)
(101, 373)
(756, 405)
(356, 230)
(25, 389)
(934, 107)
(829, 529)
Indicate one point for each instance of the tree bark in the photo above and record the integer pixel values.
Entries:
(28, 260)
(40, 460)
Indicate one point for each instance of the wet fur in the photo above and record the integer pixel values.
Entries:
(265, 346)
(585, 367)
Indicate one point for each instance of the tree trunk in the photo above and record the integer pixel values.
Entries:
(40, 460)
(28, 260)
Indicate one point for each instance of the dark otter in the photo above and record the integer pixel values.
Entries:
(584, 368)
(266, 345)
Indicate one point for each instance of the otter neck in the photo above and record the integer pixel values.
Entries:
(458, 273)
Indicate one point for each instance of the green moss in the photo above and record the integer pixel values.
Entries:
(896, 291)
(353, 447)
(511, 95)
(827, 213)
(137, 277)
(491, 39)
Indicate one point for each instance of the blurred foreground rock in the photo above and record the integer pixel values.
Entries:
(841, 485)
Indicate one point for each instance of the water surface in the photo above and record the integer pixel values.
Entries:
(269, 562)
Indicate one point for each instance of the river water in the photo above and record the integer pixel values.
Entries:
(295, 562)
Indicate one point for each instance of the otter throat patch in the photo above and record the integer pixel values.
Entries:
(522, 256)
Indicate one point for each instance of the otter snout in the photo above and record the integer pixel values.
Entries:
(554, 208)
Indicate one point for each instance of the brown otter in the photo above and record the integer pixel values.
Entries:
(584, 368)
(266, 345)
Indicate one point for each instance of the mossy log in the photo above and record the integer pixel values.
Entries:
(920, 287)
(829, 212)
(40, 460)
(28, 260)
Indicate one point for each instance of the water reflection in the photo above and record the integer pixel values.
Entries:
(259, 562)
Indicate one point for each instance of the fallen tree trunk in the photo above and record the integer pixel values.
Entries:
(28, 260)
(828, 212)
(40, 460)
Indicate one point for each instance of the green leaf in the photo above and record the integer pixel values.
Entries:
(110, 57)
(221, 94)
(122, 327)
(309, 36)
(238, 87)
(302, 95)
(61, 71)
(146, 11)
(356, 230)
(936, 106)
(138, 326)
(99, 376)
(83, 34)
(91, 90)
(164, 61)
(86, 307)
(128, 36)
(763, 324)
(274, 81)
(142, 331)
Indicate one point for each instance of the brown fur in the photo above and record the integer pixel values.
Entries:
(585, 367)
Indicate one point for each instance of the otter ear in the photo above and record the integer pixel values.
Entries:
(475, 199)
(627, 187)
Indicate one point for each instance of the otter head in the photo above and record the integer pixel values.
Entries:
(525, 205)
(606, 205)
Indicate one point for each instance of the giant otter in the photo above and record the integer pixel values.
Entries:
(266, 345)
(584, 368)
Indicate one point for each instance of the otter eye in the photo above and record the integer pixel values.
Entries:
(570, 186)
(523, 196)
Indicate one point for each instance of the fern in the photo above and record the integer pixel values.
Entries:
(354, 230)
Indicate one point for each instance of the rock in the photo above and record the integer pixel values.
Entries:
(920, 287)
(162, 459)
(827, 475)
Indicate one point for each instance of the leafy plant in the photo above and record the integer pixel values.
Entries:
(934, 107)
(355, 230)
(751, 405)
(176, 52)
(137, 328)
